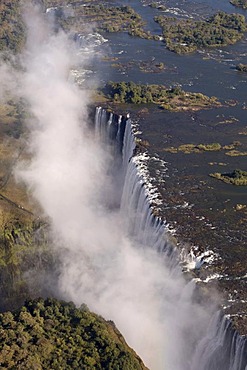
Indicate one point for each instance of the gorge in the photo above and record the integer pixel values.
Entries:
(110, 244)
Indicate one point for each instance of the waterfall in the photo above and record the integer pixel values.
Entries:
(221, 348)
(110, 129)
(218, 346)
(141, 224)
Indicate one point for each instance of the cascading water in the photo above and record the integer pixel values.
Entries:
(221, 348)
(141, 224)
(115, 258)
(110, 128)
(216, 345)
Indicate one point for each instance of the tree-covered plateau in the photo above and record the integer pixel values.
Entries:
(50, 334)
(185, 36)
(172, 99)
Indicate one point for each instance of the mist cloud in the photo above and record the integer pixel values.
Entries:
(68, 176)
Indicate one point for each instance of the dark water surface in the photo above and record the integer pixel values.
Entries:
(204, 211)
(208, 71)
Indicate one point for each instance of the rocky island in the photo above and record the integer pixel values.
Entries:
(242, 67)
(239, 3)
(172, 99)
(186, 36)
(237, 177)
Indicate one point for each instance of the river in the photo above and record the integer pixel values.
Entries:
(207, 214)
(204, 214)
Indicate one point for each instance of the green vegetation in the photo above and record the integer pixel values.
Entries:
(23, 237)
(236, 153)
(209, 147)
(173, 99)
(49, 334)
(144, 66)
(157, 5)
(239, 3)
(12, 30)
(194, 148)
(105, 18)
(180, 36)
(185, 36)
(112, 19)
(242, 67)
(237, 177)
(200, 148)
(24, 247)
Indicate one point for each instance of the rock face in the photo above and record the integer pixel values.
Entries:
(50, 334)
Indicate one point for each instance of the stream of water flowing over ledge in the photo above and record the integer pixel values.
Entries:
(189, 334)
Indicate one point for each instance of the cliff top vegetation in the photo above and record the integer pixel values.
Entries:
(50, 334)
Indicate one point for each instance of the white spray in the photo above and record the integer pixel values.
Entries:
(100, 266)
